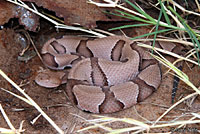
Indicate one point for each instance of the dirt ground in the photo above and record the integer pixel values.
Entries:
(55, 103)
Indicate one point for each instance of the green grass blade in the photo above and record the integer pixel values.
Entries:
(146, 21)
(156, 30)
(140, 11)
(132, 17)
(197, 42)
(193, 39)
(190, 32)
(183, 22)
(128, 17)
(164, 13)
(135, 17)
(152, 33)
(128, 26)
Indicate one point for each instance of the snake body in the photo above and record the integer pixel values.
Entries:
(107, 75)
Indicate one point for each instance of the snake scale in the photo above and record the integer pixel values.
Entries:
(106, 75)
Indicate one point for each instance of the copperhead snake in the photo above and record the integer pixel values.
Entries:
(107, 75)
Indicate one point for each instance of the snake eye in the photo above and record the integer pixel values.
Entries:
(59, 37)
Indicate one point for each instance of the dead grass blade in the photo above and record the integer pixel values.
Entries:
(32, 102)
(12, 129)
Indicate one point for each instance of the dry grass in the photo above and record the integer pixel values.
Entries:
(102, 121)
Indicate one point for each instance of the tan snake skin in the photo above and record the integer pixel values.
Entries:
(107, 75)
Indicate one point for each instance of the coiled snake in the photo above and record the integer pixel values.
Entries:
(107, 75)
